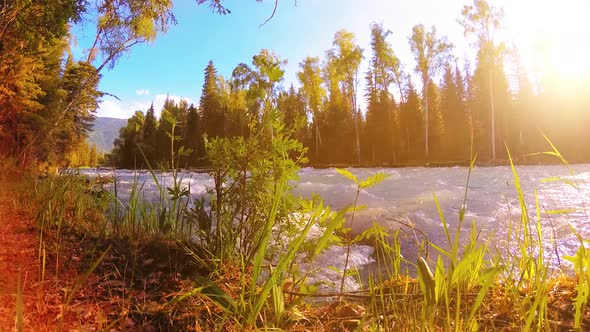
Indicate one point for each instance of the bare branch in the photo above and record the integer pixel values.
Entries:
(272, 15)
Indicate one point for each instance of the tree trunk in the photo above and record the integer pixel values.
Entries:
(358, 142)
(318, 140)
(426, 119)
(493, 116)
(356, 112)
(392, 120)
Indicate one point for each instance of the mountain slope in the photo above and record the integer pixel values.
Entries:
(104, 132)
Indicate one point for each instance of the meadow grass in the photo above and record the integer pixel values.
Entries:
(255, 284)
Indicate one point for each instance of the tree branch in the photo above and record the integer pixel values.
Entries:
(271, 15)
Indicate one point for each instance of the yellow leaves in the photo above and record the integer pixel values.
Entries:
(144, 27)
(347, 174)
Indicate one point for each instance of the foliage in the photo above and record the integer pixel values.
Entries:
(429, 52)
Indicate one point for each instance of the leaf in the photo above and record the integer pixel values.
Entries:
(169, 118)
(336, 223)
(348, 175)
(215, 294)
(184, 152)
(373, 180)
(551, 179)
(427, 282)
(562, 211)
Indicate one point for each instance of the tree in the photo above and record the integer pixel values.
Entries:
(338, 117)
(211, 108)
(235, 104)
(80, 83)
(270, 73)
(310, 76)
(346, 57)
(482, 21)
(292, 110)
(162, 134)
(36, 111)
(126, 152)
(412, 122)
(149, 139)
(93, 157)
(454, 114)
(193, 136)
(381, 118)
(430, 53)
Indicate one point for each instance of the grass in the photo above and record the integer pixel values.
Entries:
(222, 282)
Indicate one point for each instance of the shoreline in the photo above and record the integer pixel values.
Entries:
(433, 164)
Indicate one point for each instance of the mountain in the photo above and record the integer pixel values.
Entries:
(104, 132)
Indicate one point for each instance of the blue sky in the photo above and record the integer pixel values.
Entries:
(173, 65)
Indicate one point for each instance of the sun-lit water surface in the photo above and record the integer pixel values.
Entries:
(408, 195)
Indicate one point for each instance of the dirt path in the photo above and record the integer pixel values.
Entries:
(19, 249)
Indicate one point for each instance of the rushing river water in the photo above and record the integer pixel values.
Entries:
(408, 195)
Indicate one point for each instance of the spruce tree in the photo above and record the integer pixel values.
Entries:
(149, 134)
(213, 117)
(193, 136)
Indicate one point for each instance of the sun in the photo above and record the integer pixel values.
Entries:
(569, 58)
(552, 35)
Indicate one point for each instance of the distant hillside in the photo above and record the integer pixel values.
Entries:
(104, 132)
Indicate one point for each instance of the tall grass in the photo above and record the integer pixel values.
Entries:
(250, 223)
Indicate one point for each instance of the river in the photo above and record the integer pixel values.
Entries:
(407, 195)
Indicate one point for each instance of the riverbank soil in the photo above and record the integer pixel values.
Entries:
(19, 247)
(79, 281)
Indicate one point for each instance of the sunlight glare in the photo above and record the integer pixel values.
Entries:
(556, 34)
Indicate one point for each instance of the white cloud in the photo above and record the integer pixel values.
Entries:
(161, 98)
(114, 108)
(142, 92)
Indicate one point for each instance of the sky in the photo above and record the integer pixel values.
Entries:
(172, 66)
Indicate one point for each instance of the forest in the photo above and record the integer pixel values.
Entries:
(438, 109)
(484, 108)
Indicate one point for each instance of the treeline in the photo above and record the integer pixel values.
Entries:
(85, 155)
(459, 111)
(48, 99)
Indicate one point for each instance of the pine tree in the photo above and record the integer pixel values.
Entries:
(162, 138)
(457, 133)
(148, 138)
(213, 117)
(339, 129)
(93, 156)
(436, 123)
(381, 118)
(292, 109)
(193, 136)
(412, 125)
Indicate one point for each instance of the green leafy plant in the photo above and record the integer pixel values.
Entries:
(360, 185)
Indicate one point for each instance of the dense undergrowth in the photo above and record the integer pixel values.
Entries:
(230, 261)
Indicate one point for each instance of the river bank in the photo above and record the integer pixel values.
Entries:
(151, 281)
